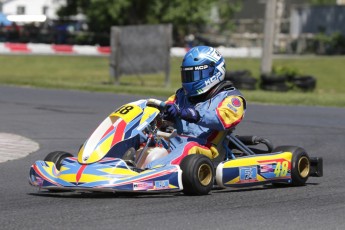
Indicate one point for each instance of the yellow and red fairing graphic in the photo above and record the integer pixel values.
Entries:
(118, 126)
(107, 175)
(254, 169)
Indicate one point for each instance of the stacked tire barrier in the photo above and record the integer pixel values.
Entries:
(286, 83)
(274, 83)
(305, 83)
(243, 79)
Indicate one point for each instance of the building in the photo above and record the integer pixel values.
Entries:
(22, 11)
(297, 24)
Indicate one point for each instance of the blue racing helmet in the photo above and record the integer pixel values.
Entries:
(202, 68)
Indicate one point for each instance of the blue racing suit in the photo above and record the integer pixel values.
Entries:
(217, 115)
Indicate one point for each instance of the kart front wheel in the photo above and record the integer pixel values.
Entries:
(197, 174)
(57, 158)
(300, 164)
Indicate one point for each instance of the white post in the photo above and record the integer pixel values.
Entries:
(267, 49)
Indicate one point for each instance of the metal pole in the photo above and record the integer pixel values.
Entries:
(168, 37)
(114, 59)
(279, 20)
(267, 49)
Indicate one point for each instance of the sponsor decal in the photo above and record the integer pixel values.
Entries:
(187, 68)
(201, 67)
(236, 102)
(248, 174)
(266, 168)
(143, 185)
(38, 181)
(213, 78)
(276, 168)
(193, 68)
(217, 76)
(218, 54)
(162, 184)
(232, 107)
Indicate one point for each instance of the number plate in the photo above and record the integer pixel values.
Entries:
(127, 112)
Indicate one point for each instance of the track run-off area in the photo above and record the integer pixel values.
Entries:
(62, 120)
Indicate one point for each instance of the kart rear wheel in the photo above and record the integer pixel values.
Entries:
(57, 158)
(300, 164)
(197, 174)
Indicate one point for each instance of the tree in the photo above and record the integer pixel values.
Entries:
(102, 14)
(184, 15)
(226, 8)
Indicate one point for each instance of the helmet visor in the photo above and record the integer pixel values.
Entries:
(195, 73)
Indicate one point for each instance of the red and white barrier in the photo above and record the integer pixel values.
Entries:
(238, 52)
(31, 48)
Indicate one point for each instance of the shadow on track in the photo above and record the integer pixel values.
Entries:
(100, 195)
(263, 187)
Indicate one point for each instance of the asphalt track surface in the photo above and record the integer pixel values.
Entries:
(62, 120)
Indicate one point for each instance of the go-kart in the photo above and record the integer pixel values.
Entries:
(116, 156)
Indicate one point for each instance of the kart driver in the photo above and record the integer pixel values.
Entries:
(204, 109)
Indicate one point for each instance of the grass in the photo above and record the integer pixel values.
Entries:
(92, 74)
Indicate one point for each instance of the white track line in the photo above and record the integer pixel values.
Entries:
(13, 146)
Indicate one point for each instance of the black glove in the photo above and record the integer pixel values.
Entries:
(171, 112)
(190, 115)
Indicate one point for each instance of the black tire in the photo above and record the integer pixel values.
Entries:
(279, 87)
(305, 83)
(246, 86)
(300, 164)
(246, 82)
(57, 158)
(197, 175)
(273, 79)
(237, 74)
(248, 79)
(242, 79)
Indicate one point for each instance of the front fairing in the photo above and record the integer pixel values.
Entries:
(107, 175)
(121, 130)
